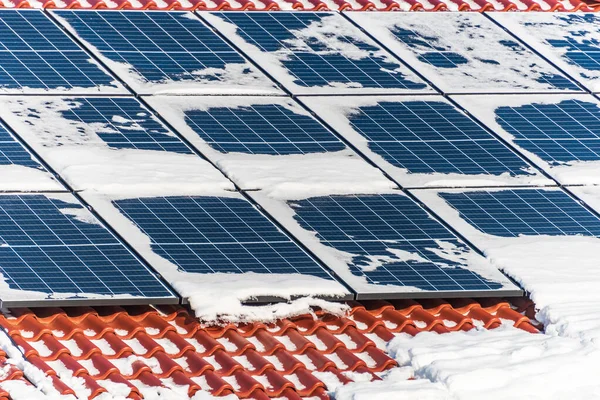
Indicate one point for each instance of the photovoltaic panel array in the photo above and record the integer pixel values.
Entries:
(392, 241)
(37, 56)
(511, 213)
(52, 246)
(315, 52)
(423, 136)
(160, 49)
(217, 234)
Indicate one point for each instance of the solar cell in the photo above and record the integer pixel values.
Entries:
(571, 41)
(37, 57)
(312, 52)
(155, 51)
(52, 247)
(12, 152)
(511, 213)
(463, 52)
(561, 134)
(203, 234)
(417, 139)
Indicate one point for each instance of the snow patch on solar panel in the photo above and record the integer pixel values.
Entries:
(111, 145)
(424, 141)
(174, 54)
(559, 133)
(316, 53)
(270, 144)
(463, 53)
(570, 41)
(543, 239)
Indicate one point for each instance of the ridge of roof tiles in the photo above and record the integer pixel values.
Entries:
(146, 347)
(312, 5)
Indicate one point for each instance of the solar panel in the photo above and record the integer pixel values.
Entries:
(52, 247)
(511, 213)
(463, 52)
(203, 234)
(157, 51)
(312, 52)
(253, 125)
(408, 136)
(13, 153)
(564, 131)
(571, 41)
(37, 57)
(390, 246)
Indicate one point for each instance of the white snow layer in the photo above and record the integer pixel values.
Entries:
(86, 162)
(293, 176)
(337, 37)
(234, 78)
(337, 111)
(484, 107)
(339, 261)
(19, 178)
(484, 57)
(569, 32)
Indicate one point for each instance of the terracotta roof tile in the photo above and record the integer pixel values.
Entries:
(166, 346)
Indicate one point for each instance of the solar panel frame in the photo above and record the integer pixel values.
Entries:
(35, 66)
(364, 244)
(52, 242)
(312, 67)
(424, 140)
(157, 52)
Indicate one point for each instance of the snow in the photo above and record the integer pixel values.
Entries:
(86, 162)
(289, 176)
(568, 32)
(19, 178)
(568, 173)
(336, 37)
(337, 111)
(485, 58)
(238, 78)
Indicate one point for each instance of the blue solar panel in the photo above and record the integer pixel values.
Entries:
(510, 213)
(392, 240)
(318, 50)
(217, 234)
(158, 47)
(429, 137)
(123, 123)
(261, 129)
(12, 152)
(565, 131)
(36, 54)
(46, 245)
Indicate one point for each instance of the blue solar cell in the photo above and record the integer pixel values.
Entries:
(433, 136)
(217, 234)
(392, 240)
(46, 246)
(12, 152)
(557, 133)
(261, 129)
(313, 62)
(36, 54)
(510, 213)
(123, 123)
(159, 47)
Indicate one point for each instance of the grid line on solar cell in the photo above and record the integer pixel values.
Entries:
(35, 53)
(157, 46)
(261, 129)
(125, 123)
(310, 62)
(511, 213)
(426, 137)
(45, 247)
(561, 132)
(391, 240)
(217, 234)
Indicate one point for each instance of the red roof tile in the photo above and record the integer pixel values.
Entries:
(144, 347)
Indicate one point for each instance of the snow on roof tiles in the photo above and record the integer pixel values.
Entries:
(134, 351)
